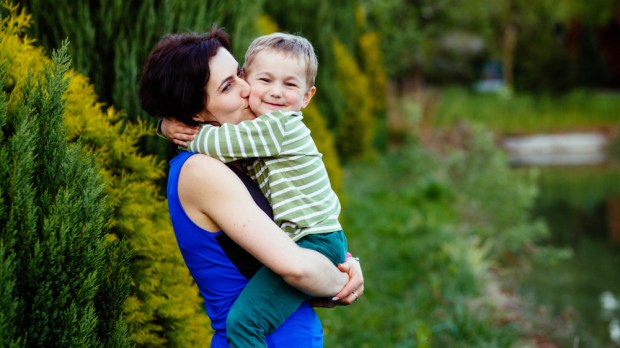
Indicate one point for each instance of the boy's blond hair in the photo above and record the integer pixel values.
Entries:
(295, 45)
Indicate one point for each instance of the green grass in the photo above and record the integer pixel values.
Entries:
(577, 111)
(425, 266)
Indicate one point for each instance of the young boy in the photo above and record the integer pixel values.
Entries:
(282, 158)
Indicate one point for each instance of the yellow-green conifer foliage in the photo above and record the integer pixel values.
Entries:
(356, 125)
(266, 25)
(164, 308)
(372, 65)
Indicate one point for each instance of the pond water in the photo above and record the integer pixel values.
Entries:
(580, 202)
(557, 149)
(580, 294)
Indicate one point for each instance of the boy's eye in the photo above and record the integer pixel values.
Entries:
(264, 79)
(290, 84)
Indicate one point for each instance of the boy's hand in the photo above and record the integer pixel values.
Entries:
(177, 131)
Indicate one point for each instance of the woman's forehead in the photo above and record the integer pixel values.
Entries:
(223, 63)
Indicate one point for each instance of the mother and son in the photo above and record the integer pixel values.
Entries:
(255, 217)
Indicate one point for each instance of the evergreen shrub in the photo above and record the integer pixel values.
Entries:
(164, 307)
(356, 126)
(63, 281)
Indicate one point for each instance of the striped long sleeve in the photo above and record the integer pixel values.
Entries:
(286, 165)
(261, 137)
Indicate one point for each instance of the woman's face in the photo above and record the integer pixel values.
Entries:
(227, 93)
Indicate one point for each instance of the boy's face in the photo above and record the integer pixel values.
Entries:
(278, 82)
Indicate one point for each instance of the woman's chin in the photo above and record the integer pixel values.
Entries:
(248, 114)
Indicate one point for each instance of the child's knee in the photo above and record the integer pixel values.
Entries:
(235, 318)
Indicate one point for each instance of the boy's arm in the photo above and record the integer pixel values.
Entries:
(261, 137)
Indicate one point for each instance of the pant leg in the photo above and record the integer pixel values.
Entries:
(265, 303)
(267, 300)
(332, 245)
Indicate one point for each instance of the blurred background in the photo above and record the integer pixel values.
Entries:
(475, 146)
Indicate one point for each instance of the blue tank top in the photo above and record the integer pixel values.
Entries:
(221, 270)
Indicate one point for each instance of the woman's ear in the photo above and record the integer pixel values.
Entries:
(308, 96)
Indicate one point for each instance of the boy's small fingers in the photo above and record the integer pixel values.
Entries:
(185, 137)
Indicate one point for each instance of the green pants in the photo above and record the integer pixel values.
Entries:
(267, 301)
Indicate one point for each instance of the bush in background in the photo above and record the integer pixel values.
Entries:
(164, 308)
(63, 278)
(434, 226)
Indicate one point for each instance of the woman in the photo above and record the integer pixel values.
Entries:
(194, 78)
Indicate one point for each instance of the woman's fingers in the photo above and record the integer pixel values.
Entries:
(354, 289)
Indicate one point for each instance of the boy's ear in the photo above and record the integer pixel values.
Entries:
(308, 96)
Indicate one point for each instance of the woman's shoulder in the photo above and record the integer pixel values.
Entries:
(201, 164)
(203, 175)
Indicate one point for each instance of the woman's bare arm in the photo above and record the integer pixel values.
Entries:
(209, 186)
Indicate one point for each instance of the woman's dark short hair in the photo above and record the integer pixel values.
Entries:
(174, 76)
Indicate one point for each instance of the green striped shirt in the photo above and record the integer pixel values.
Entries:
(285, 163)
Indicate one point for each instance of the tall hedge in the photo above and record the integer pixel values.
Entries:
(164, 307)
(63, 281)
(111, 39)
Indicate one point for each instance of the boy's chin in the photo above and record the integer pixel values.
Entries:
(263, 111)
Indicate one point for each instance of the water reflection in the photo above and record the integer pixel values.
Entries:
(614, 330)
(608, 301)
(556, 149)
(610, 304)
(575, 202)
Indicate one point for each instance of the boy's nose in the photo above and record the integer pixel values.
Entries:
(275, 91)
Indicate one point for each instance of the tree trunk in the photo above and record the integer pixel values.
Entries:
(509, 43)
(613, 219)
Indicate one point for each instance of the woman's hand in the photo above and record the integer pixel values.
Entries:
(177, 131)
(351, 292)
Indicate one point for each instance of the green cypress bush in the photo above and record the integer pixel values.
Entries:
(58, 266)
(164, 307)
